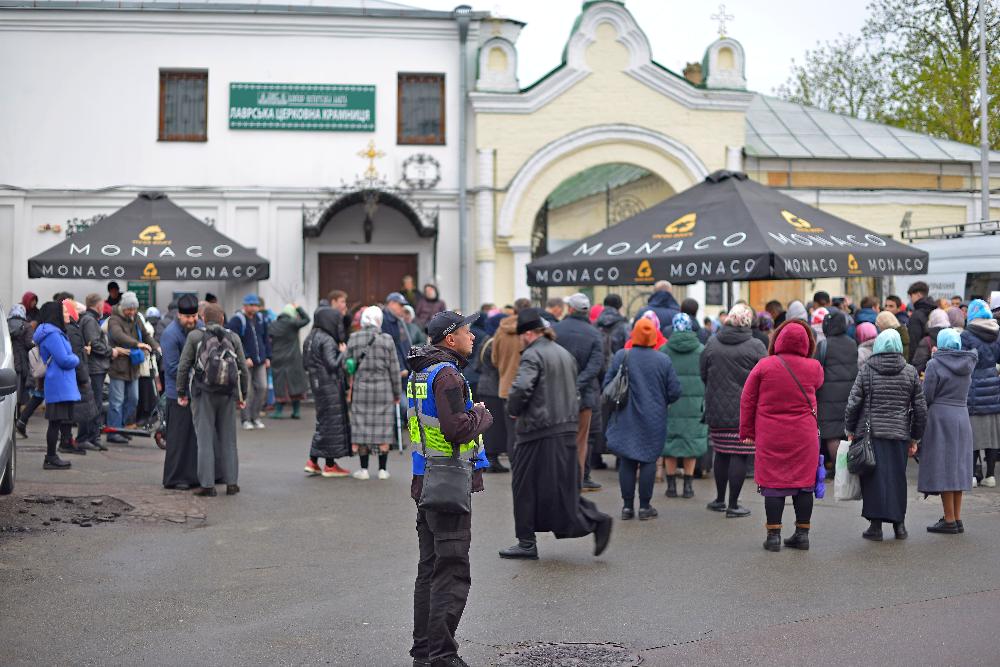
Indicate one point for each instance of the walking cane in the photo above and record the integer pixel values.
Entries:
(399, 431)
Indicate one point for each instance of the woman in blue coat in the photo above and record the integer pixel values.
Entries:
(982, 334)
(638, 430)
(61, 390)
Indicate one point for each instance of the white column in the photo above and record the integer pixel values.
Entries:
(697, 292)
(485, 250)
(522, 255)
(734, 158)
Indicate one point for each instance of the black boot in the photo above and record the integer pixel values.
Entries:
(671, 486)
(55, 463)
(688, 486)
(874, 532)
(800, 539)
(773, 541)
(523, 550)
(207, 491)
(900, 530)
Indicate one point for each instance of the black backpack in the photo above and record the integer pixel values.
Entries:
(216, 369)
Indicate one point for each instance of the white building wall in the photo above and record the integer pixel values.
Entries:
(83, 95)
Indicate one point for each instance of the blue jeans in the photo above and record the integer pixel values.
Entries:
(123, 397)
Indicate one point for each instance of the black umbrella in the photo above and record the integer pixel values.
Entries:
(150, 239)
(726, 228)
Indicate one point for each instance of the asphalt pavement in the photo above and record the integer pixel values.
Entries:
(303, 571)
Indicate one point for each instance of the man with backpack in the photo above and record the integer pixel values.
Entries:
(252, 330)
(214, 376)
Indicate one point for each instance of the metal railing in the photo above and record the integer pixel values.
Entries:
(982, 228)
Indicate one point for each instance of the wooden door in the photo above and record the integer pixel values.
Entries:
(367, 279)
(785, 291)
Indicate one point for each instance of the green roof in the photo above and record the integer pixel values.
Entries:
(594, 181)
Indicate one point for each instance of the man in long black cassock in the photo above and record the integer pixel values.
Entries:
(544, 401)
(180, 465)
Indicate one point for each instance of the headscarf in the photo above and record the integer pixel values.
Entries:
(886, 321)
(152, 311)
(289, 310)
(865, 332)
(949, 339)
(740, 316)
(654, 318)
(764, 321)
(956, 318)
(371, 317)
(818, 316)
(887, 342)
(796, 311)
(17, 310)
(595, 312)
(681, 322)
(69, 310)
(644, 333)
(938, 319)
(978, 310)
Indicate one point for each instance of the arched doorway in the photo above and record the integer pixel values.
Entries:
(363, 243)
(587, 202)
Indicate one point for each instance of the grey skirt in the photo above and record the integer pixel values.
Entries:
(985, 431)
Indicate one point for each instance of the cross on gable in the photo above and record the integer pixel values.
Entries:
(722, 17)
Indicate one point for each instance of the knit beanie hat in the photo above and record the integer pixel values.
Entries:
(129, 300)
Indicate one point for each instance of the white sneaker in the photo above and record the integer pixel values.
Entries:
(258, 424)
(975, 482)
(382, 474)
(990, 482)
(247, 426)
(361, 474)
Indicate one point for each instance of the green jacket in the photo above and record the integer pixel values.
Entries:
(687, 434)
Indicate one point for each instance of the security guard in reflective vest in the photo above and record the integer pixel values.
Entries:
(439, 399)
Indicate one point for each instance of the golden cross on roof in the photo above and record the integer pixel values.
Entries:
(371, 153)
(722, 17)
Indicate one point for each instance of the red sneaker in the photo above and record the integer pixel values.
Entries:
(334, 471)
(312, 468)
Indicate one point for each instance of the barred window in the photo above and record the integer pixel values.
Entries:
(420, 112)
(183, 105)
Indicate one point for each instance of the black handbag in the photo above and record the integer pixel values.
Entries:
(616, 393)
(447, 483)
(861, 454)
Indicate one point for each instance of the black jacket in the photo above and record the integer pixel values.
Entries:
(324, 363)
(726, 362)
(99, 360)
(20, 340)
(917, 326)
(585, 343)
(85, 409)
(838, 354)
(543, 396)
(613, 326)
(892, 388)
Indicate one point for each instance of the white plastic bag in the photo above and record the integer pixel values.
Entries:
(845, 485)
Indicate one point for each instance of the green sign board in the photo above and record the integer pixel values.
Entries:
(301, 106)
(143, 292)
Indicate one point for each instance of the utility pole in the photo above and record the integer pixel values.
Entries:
(984, 99)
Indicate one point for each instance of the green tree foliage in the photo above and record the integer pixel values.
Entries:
(915, 65)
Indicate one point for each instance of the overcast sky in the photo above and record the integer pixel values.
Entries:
(772, 31)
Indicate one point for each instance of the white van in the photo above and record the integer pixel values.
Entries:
(8, 409)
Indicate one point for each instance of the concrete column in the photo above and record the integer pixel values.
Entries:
(485, 251)
(522, 255)
(734, 158)
(697, 292)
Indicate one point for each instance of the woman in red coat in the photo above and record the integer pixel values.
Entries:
(781, 422)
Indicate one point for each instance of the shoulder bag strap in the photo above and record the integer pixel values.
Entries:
(812, 409)
(357, 365)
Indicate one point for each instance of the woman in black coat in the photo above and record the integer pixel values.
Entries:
(887, 402)
(85, 409)
(838, 354)
(726, 362)
(324, 361)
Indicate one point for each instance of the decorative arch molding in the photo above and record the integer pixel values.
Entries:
(552, 153)
(314, 220)
(630, 35)
(504, 81)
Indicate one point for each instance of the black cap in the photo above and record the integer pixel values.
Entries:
(530, 319)
(447, 322)
(187, 304)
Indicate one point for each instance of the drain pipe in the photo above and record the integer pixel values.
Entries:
(463, 15)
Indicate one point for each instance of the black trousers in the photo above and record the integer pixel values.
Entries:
(92, 428)
(443, 580)
(180, 463)
(495, 439)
